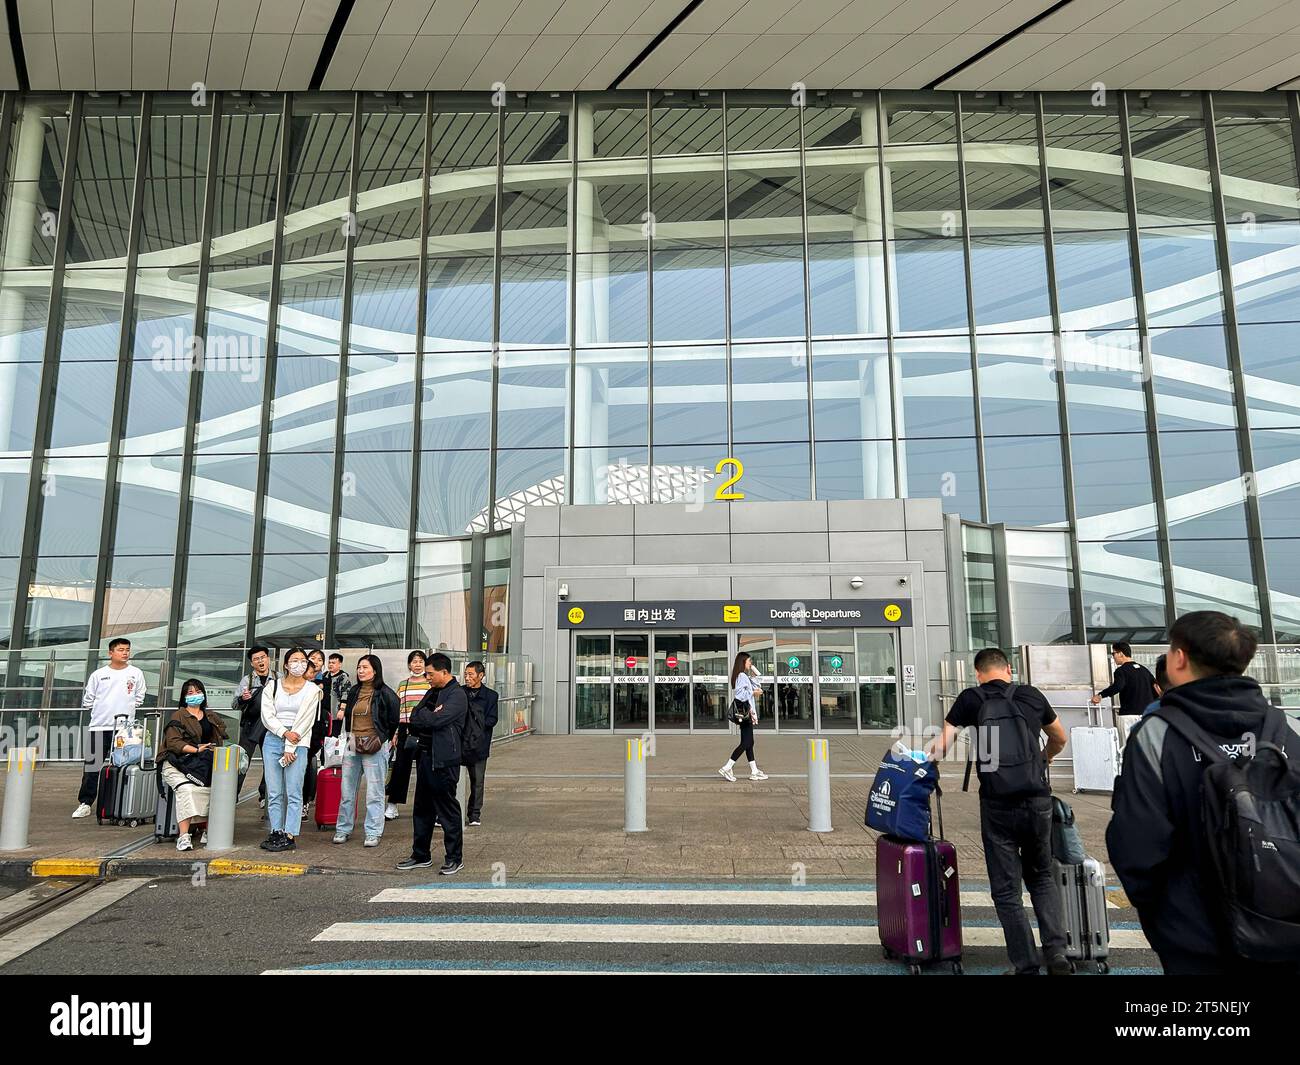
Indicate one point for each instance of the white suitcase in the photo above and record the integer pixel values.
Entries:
(1095, 754)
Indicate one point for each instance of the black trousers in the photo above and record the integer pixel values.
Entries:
(1018, 846)
(1181, 963)
(399, 778)
(435, 795)
(95, 746)
(476, 771)
(746, 745)
(251, 748)
(318, 731)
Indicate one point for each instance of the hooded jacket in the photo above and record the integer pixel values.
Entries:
(1155, 838)
(437, 721)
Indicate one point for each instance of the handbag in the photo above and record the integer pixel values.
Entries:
(739, 712)
(369, 744)
(1067, 844)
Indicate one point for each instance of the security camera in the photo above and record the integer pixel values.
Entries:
(564, 591)
(855, 583)
(902, 580)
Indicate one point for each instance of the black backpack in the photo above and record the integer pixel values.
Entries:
(1006, 751)
(1250, 806)
(471, 732)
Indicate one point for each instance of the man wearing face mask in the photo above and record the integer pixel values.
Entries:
(435, 726)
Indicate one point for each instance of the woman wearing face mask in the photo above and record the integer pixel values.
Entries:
(289, 708)
(316, 674)
(409, 693)
(369, 716)
(743, 672)
(187, 741)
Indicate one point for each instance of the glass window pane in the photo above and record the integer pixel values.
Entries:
(1192, 383)
(1180, 271)
(1103, 382)
(532, 399)
(690, 395)
(1215, 575)
(842, 196)
(536, 128)
(1168, 128)
(687, 198)
(375, 502)
(297, 505)
(686, 123)
(292, 600)
(380, 402)
(1038, 569)
(1112, 485)
(846, 283)
(456, 409)
(612, 206)
(1277, 473)
(442, 580)
(688, 473)
(929, 281)
(81, 417)
(533, 477)
(105, 175)
(855, 469)
(306, 398)
(1270, 360)
(14, 477)
(761, 120)
(689, 295)
(773, 471)
(248, 155)
(370, 599)
(611, 399)
(611, 474)
(1009, 279)
(1094, 281)
(616, 123)
(157, 408)
(390, 166)
(147, 496)
(453, 492)
(946, 469)
(1204, 491)
(852, 391)
(534, 299)
(385, 301)
(59, 600)
(1025, 484)
(138, 598)
(238, 304)
(840, 119)
(24, 314)
(458, 304)
(320, 145)
(1123, 590)
(1084, 162)
(923, 196)
(769, 392)
(311, 309)
(20, 387)
(934, 378)
(1256, 165)
(1018, 393)
(613, 298)
(1263, 271)
(221, 504)
(593, 664)
(92, 314)
(230, 407)
(767, 292)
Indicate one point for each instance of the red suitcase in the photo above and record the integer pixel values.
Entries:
(918, 900)
(329, 793)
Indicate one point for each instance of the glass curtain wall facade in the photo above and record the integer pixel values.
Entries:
(269, 363)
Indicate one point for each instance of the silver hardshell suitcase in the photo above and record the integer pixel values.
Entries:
(1083, 900)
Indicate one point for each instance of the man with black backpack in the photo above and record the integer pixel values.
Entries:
(1205, 835)
(1015, 804)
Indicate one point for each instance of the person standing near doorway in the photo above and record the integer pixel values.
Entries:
(436, 725)
(1132, 683)
(482, 705)
(410, 691)
(744, 702)
(112, 691)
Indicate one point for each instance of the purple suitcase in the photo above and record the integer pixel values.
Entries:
(918, 900)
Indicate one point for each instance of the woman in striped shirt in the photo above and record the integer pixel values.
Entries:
(409, 694)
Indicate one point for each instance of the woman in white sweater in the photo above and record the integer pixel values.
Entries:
(289, 707)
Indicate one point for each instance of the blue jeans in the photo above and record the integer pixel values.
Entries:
(375, 767)
(283, 786)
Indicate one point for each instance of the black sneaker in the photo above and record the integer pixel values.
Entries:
(451, 868)
(272, 842)
(414, 863)
(286, 842)
(474, 822)
(1059, 966)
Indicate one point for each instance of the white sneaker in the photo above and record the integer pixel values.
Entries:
(391, 812)
(203, 839)
(757, 774)
(183, 842)
(371, 841)
(340, 837)
(84, 810)
(727, 774)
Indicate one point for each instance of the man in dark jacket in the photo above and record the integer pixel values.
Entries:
(1156, 838)
(435, 726)
(1132, 682)
(483, 705)
(248, 705)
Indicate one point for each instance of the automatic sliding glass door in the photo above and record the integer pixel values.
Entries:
(592, 674)
(672, 681)
(631, 680)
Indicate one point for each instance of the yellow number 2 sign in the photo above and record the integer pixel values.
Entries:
(721, 492)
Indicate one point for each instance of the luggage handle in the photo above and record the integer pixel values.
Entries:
(938, 803)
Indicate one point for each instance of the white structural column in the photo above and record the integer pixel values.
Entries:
(871, 231)
(28, 140)
(590, 384)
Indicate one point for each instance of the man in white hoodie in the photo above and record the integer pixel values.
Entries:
(112, 691)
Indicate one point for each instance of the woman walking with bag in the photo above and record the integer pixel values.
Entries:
(187, 741)
(369, 715)
(744, 712)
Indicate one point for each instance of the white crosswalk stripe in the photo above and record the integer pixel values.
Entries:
(463, 929)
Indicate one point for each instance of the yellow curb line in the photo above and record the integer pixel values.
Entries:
(237, 867)
(66, 867)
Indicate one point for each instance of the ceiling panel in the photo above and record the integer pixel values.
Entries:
(557, 44)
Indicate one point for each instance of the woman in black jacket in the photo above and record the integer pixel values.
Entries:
(369, 716)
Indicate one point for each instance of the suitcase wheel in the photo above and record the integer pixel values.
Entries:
(1103, 967)
(957, 969)
(913, 969)
(133, 823)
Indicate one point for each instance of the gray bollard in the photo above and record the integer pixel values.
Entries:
(819, 786)
(634, 788)
(222, 796)
(18, 799)
(462, 796)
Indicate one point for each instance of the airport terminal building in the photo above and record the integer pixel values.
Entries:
(617, 383)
